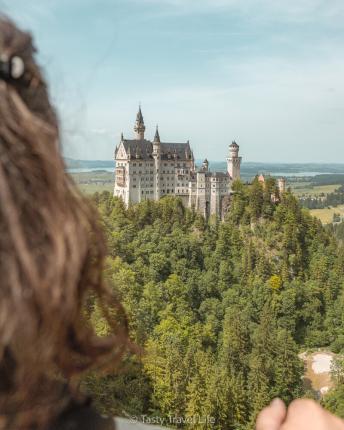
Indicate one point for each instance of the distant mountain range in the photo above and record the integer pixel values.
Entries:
(88, 164)
(248, 170)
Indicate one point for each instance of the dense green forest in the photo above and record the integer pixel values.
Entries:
(221, 309)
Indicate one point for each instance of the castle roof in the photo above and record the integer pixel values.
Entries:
(217, 174)
(220, 174)
(144, 148)
(182, 150)
(234, 144)
(209, 174)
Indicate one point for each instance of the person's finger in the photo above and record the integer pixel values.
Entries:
(307, 414)
(272, 417)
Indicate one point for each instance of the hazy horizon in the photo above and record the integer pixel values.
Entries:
(262, 72)
(211, 162)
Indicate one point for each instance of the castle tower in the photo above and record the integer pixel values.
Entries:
(234, 161)
(157, 162)
(281, 183)
(205, 165)
(140, 127)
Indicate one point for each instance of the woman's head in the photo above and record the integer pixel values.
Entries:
(51, 252)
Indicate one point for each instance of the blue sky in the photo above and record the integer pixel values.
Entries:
(268, 73)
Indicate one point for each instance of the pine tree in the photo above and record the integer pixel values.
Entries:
(288, 368)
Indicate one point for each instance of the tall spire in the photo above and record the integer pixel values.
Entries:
(139, 116)
(140, 127)
(157, 136)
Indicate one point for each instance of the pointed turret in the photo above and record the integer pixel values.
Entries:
(157, 161)
(156, 144)
(157, 135)
(139, 116)
(140, 127)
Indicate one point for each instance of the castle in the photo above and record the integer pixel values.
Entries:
(152, 169)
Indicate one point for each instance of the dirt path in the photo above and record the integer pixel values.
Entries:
(318, 371)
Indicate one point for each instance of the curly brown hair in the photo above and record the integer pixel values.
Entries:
(52, 251)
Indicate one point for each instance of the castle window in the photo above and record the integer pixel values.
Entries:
(134, 164)
(140, 164)
(134, 186)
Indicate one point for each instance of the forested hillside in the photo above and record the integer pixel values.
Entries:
(221, 308)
